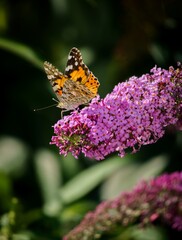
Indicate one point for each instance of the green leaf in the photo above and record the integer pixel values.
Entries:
(87, 180)
(21, 50)
(13, 153)
(70, 167)
(137, 233)
(125, 178)
(148, 233)
(49, 176)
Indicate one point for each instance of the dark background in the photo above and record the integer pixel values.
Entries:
(118, 39)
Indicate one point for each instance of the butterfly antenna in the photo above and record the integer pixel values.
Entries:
(39, 109)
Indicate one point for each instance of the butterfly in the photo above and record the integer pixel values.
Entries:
(77, 86)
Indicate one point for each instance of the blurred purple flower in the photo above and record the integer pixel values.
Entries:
(157, 201)
(134, 114)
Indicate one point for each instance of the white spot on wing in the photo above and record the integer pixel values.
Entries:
(69, 67)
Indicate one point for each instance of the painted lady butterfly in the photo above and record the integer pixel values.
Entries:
(77, 86)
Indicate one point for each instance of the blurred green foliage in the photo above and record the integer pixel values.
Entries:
(44, 195)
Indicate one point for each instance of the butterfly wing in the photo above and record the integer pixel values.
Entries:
(92, 83)
(56, 78)
(77, 71)
(77, 86)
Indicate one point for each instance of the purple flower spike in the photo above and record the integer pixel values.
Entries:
(158, 201)
(135, 113)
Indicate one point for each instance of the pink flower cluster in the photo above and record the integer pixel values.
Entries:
(135, 113)
(159, 200)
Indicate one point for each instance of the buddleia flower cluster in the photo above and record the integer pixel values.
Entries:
(134, 114)
(156, 201)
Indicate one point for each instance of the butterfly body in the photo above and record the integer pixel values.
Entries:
(76, 86)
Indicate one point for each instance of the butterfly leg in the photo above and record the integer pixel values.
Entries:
(66, 110)
(63, 111)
